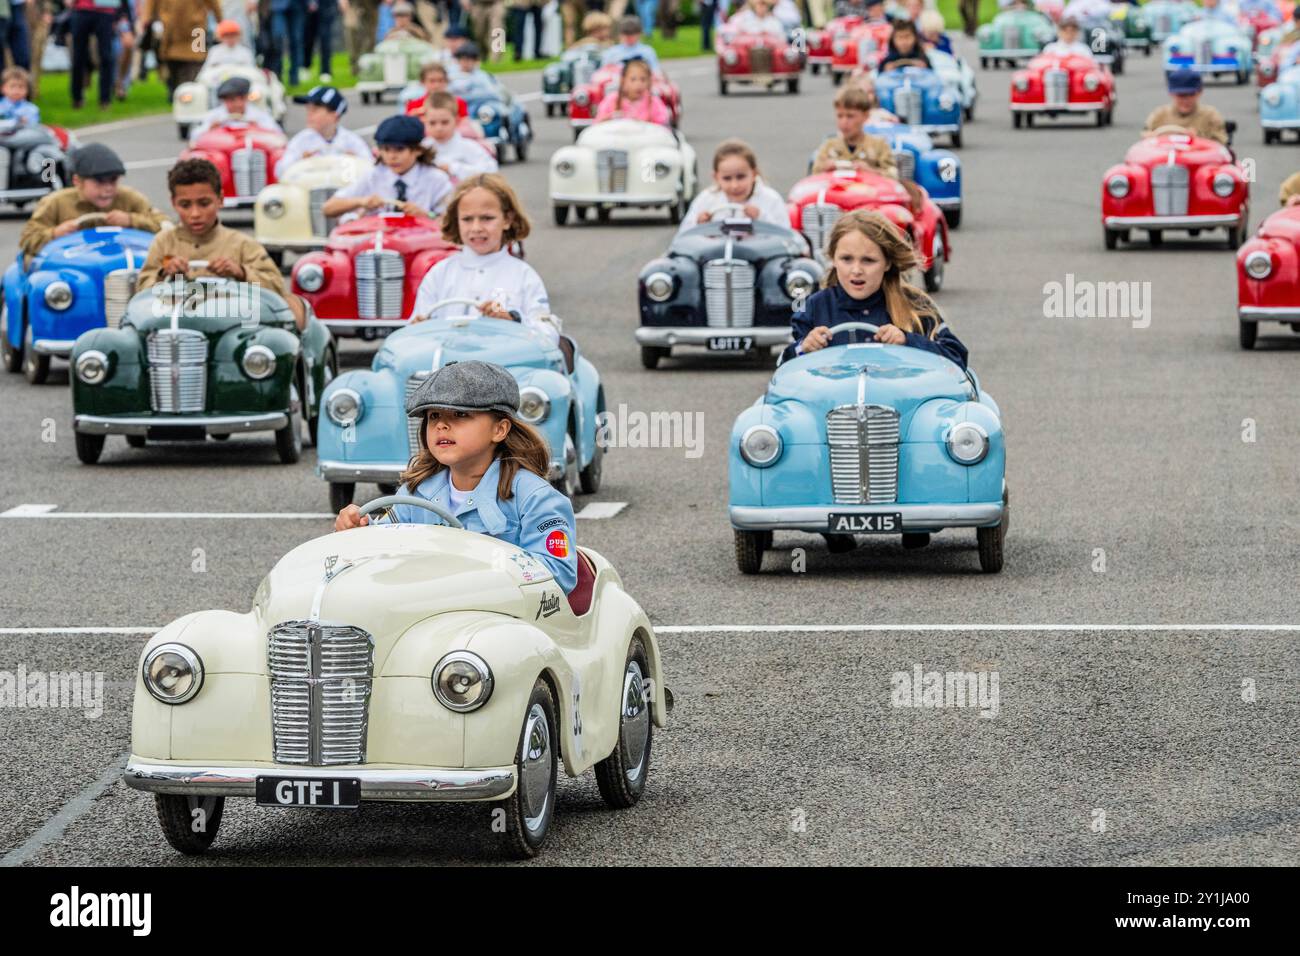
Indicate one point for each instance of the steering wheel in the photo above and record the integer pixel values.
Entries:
(460, 319)
(389, 500)
(728, 208)
(92, 220)
(852, 327)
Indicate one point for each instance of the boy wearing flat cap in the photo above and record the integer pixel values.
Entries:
(404, 177)
(324, 136)
(235, 108)
(1187, 111)
(94, 192)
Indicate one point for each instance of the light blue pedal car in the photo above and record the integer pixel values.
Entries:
(937, 171)
(1211, 48)
(920, 97)
(1279, 105)
(868, 438)
(1167, 17)
(365, 436)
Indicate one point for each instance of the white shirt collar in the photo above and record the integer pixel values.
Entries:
(472, 260)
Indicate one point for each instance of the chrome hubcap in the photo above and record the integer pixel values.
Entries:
(535, 768)
(634, 722)
(570, 466)
(936, 260)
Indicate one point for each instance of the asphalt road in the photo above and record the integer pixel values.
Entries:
(1132, 742)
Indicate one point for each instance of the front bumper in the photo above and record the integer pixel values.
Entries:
(941, 128)
(1142, 42)
(1063, 108)
(1213, 69)
(19, 195)
(61, 348)
(428, 785)
(1266, 313)
(947, 202)
(612, 199)
(1280, 124)
(363, 323)
(764, 79)
(814, 518)
(380, 472)
(1023, 54)
(1171, 222)
(212, 424)
(309, 244)
(667, 336)
(239, 202)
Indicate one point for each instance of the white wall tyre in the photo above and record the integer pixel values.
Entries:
(530, 809)
(622, 775)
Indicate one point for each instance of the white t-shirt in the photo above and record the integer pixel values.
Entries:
(747, 21)
(1077, 48)
(464, 157)
(498, 276)
(222, 55)
(455, 496)
(770, 203)
(344, 143)
(426, 186)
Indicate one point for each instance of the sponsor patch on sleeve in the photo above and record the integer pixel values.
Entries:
(557, 544)
(552, 523)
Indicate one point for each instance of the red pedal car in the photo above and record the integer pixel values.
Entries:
(245, 155)
(758, 59)
(585, 100)
(1052, 84)
(365, 279)
(863, 44)
(817, 201)
(1173, 180)
(1268, 276)
(821, 39)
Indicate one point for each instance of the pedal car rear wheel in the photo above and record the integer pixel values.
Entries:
(13, 357)
(89, 447)
(589, 477)
(341, 493)
(621, 776)
(992, 540)
(651, 354)
(561, 214)
(288, 440)
(1246, 334)
(750, 546)
(190, 824)
(530, 809)
(36, 368)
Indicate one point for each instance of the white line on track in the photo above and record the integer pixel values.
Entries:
(593, 510)
(601, 509)
(150, 163)
(53, 828)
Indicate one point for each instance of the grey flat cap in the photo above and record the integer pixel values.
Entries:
(235, 86)
(466, 387)
(97, 161)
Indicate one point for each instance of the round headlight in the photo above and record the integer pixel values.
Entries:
(1224, 184)
(462, 682)
(273, 208)
(1272, 96)
(581, 98)
(967, 443)
(486, 114)
(1021, 83)
(92, 367)
(838, 47)
(1117, 186)
(659, 287)
(344, 407)
(564, 168)
(760, 445)
(1259, 264)
(259, 361)
(173, 673)
(946, 101)
(1091, 82)
(310, 277)
(662, 169)
(534, 404)
(58, 295)
(730, 57)
(552, 72)
(799, 284)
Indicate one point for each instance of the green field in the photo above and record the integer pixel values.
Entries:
(952, 15)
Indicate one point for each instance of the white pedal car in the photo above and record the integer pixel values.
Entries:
(623, 163)
(400, 662)
(287, 216)
(192, 101)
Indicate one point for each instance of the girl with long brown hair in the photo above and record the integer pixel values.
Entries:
(634, 98)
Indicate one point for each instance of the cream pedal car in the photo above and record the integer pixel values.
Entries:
(288, 214)
(400, 662)
(192, 101)
(623, 163)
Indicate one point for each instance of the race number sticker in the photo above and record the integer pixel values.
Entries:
(557, 544)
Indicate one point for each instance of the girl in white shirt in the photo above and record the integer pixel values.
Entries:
(756, 17)
(455, 155)
(404, 177)
(736, 180)
(484, 217)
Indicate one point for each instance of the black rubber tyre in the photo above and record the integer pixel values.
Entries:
(651, 354)
(12, 357)
(1236, 236)
(36, 367)
(136, 441)
(550, 110)
(1156, 238)
(1101, 118)
(954, 217)
(521, 839)
(1029, 121)
(722, 87)
(984, 63)
(365, 99)
(603, 214)
(792, 86)
(521, 150)
(750, 546)
(89, 447)
(622, 775)
(676, 211)
(914, 540)
(277, 256)
(331, 370)
(1270, 137)
(1247, 332)
(288, 440)
(1017, 120)
(187, 832)
(589, 477)
(561, 214)
(991, 541)
(1111, 238)
(341, 493)
(955, 139)
(837, 78)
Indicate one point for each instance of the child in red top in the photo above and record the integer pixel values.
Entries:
(433, 77)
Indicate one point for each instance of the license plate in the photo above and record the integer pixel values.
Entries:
(308, 792)
(731, 343)
(865, 524)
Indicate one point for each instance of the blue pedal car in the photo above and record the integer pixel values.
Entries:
(938, 171)
(868, 438)
(504, 122)
(1211, 48)
(920, 97)
(365, 435)
(1279, 105)
(78, 282)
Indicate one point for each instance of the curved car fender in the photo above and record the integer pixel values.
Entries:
(193, 109)
(985, 480)
(583, 177)
(557, 388)
(15, 301)
(295, 223)
(931, 420)
(126, 389)
(369, 440)
(618, 619)
(591, 404)
(86, 299)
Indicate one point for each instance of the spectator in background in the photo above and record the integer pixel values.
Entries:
(629, 45)
(183, 45)
(486, 18)
(708, 17)
(930, 26)
(326, 13)
(16, 87)
(15, 37)
(230, 50)
(597, 28)
(645, 11)
(361, 24)
(287, 21)
(38, 28)
(517, 17)
(90, 19)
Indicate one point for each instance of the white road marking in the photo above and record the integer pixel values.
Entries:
(601, 509)
(68, 814)
(27, 511)
(48, 511)
(150, 163)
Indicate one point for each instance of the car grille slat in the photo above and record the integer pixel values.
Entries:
(178, 370)
(729, 294)
(321, 678)
(1056, 87)
(907, 104)
(817, 220)
(248, 168)
(611, 170)
(1169, 187)
(1011, 38)
(380, 275)
(906, 163)
(863, 454)
(119, 286)
(1205, 52)
(320, 223)
(395, 69)
(760, 59)
(5, 160)
(413, 424)
(1163, 27)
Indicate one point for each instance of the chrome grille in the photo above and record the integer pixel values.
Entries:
(582, 71)
(413, 424)
(1163, 27)
(1169, 186)
(760, 59)
(320, 692)
(379, 284)
(1056, 87)
(394, 69)
(320, 223)
(1011, 38)
(863, 441)
(729, 294)
(816, 220)
(248, 166)
(5, 159)
(906, 164)
(1205, 52)
(611, 171)
(119, 286)
(866, 49)
(907, 104)
(178, 370)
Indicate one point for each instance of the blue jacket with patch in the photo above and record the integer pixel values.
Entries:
(537, 517)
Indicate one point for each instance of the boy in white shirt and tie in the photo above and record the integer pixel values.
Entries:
(405, 176)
